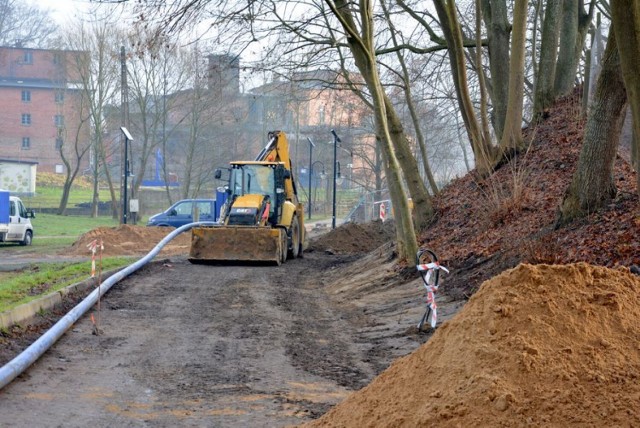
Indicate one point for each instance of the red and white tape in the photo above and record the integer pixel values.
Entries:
(383, 212)
(93, 247)
(431, 289)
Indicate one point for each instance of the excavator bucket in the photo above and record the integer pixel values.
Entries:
(238, 243)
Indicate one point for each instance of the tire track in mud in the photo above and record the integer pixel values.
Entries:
(190, 345)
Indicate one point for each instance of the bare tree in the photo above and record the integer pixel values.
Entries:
(544, 91)
(495, 16)
(25, 25)
(406, 86)
(483, 150)
(98, 71)
(154, 72)
(511, 140)
(73, 150)
(593, 186)
(573, 30)
(625, 15)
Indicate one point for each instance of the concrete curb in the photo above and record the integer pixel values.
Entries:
(25, 314)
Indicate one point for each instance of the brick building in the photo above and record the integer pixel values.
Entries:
(39, 106)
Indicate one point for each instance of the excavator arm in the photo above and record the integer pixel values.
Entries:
(277, 150)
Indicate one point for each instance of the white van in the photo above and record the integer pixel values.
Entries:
(15, 220)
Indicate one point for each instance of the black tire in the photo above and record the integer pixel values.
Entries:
(294, 239)
(27, 238)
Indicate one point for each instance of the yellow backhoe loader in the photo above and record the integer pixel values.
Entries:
(262, 219)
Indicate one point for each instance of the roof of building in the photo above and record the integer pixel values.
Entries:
(9, 82)
(18, 161)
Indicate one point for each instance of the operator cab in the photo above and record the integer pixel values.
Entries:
(255, 185)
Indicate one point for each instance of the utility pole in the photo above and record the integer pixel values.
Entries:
(311, 146)
(124, 101)
(336, 140)
(126, 170)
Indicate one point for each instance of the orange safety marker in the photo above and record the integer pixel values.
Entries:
(94, 246)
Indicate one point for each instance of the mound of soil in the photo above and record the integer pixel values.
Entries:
(551, 345)
(129, 240)
(354, 238)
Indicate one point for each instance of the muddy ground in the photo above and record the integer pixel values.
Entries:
(225, 345)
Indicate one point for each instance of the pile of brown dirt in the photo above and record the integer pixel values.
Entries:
(543, 345)
(129, 240)
(354, 238)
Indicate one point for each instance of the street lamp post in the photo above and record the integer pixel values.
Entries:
(336, 140)
(127, 138)
(311, 146)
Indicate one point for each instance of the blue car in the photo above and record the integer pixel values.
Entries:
(183, 212)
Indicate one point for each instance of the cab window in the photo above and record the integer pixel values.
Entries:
(204, 208)
(22, 209)
(184, 208)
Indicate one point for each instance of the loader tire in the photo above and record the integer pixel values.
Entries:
(294, 239)
(283, 248)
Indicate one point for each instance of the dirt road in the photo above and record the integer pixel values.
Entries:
(192, 345)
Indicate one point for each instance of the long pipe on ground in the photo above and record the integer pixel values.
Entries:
(19, 364)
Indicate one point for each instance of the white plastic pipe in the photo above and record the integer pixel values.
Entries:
(19, 364)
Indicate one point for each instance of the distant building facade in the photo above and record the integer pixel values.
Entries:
(39, 106)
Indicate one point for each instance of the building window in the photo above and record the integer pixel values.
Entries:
(26, 143)
(56, 58)
(26, 119)
(26, 96)
(27, 57)
(58, 143)
(59, 120)
(59, 97)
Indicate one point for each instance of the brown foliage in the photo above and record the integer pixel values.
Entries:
(483, 227)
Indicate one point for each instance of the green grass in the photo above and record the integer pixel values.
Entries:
(52, 233)
(30, 283)
(49, 197)
(56, 225)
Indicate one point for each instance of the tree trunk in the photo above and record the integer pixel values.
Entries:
(512, 136)
(625, 15)
(361, 43)
(482, 150)
(592, 185)
(423, 207)
(112, 191)
(96, 176)
(544, 89)
(428, 208)
(566, 67)
(494, 13)
(575, 23)
(481, 77)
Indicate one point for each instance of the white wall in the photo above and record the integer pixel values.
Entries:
(18, 177)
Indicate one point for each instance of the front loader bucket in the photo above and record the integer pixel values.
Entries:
(238, 243)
